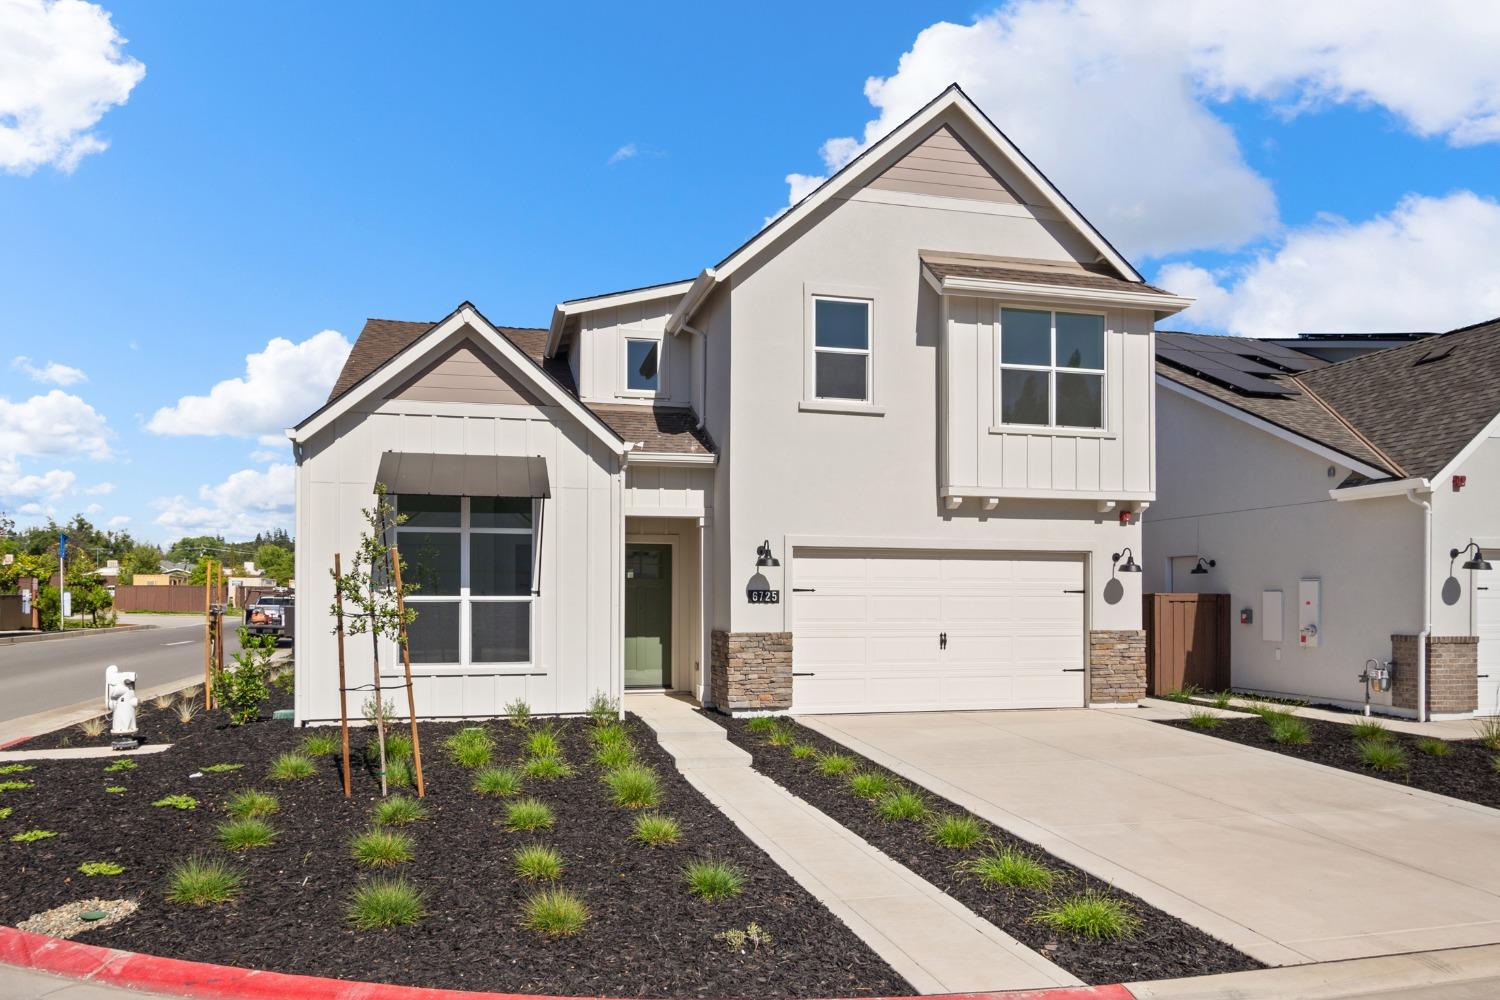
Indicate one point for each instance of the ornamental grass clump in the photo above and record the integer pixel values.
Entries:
(246, 834)
(319, 745)
(656, 830)
(1090, 914)
(543, 743)
(763, 725)
(92, 728)
(251, 803)
(1434, 747)
(834, 764)
(1488, 731)
(201, 881)
(291, 767)
(1222, 699)
(385, 902)
(469, 747)
(381, 848)
(1202, 718)
(398, 810)
(501, 782)
(399, 774)
(1008, 868)
(526, 815)
(546, 767)
(555, 913)
(870, 785)
(710, 879)
(782, 736)
(1369, 729)
(185, 711)
(959, 832)
(397, 747)
(611, 757)
(901, 804)
(1288, 730)
(1382, 754)
(804, 751)
(633, 786)
(538, 863)
(612, 734)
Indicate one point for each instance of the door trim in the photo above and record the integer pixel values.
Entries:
(671, 542)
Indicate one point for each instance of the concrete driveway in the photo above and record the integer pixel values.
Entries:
(1290, 862)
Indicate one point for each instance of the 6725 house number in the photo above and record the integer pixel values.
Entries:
(764, 596)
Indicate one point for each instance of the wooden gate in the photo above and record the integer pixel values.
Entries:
(1187, 642)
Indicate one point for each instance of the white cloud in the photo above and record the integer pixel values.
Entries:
(629, 151)
(281, 385)
(93, 509)
(270, 454)
(1113, 101)
(118, 521)
(58, 423)
(248, 502)
(48, 485)
(1423, 266)
(52, 372)
(36, 510)
(99, 489)
(61, 69)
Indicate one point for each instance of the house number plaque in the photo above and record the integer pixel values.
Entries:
(763, 596)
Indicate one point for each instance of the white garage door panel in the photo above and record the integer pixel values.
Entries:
(1487, 621)
(867, 629)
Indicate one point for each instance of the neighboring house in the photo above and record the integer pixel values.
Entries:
(1348, 485)
(881, 457)
(171, 575)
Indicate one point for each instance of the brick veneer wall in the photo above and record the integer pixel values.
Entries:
(1452, 673)
(751, 671)
(1117, 666)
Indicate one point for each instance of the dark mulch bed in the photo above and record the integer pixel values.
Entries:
(153, 725)
(647, 935)
(1467, 772)
(1163, 947)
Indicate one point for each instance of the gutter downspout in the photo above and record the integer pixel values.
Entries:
(702, 374)
(1426, 506)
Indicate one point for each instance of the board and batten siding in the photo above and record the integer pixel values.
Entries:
(577, 621)
(980, 454)
(669, 490)
(602, 335)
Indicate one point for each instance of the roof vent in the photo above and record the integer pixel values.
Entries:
(1437, 354)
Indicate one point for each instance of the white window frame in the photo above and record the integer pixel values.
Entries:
(811, 401)
(1052, 369)
(466, 601)
(645, 337)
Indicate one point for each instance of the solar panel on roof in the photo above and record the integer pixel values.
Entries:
(1248, 365)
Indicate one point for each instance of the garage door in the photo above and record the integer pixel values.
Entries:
(885, 632)
(1487, 620)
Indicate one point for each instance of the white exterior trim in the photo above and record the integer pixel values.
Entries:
(1132, 496)
(1491, 429)
(1164, 305)
(1259, 423)
(668, 458)
(1385, 488)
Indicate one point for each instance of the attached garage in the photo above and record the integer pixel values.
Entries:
(1487, 622)
(883, 631)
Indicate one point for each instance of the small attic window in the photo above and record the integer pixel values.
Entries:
(643, 365)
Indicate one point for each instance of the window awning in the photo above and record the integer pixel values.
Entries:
(464, 475)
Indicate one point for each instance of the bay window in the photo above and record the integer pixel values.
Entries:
(1051, 369)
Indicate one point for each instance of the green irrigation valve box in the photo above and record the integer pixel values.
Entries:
(282, 715)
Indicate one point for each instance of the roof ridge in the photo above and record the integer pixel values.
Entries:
(1391, 463)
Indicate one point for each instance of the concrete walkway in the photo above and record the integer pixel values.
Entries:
(936, 943)
(1289, 861)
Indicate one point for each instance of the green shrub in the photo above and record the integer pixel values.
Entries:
(95, 868)
(1489, 732)
(1288, 730)
(1202, 718)
(763, 725)
(539, 863)
(543, 743)
(398, 810)
(959, 832)
(397, 747)
(611, 757)
(901, 804)
(1185, 693)
(528, 815)
(14, 785)
(381, 848)
(123, 764)
(399, 773)
(804, 751)
(555, 913)
(1009, 868)
(782, 736)
(870, 785)
(519, 713)
(502, 782)
(1434, 747)
(17, 768)
(546, 767)
(250, 802)
(603, 709)
(245, 834)
(240, 691)
(176, 802)
(221, 768)
(835, 764)
(656, 830)
(30, 836)
(1382, 754)
(384, 902)
(633, 786)
(611, 734)
(1091, 914)
(470, 747)
(199, 881)
(1369, 729)
(709, 879)
(292, 767)
(322, 745)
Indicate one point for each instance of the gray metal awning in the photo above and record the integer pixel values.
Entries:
(464, 475)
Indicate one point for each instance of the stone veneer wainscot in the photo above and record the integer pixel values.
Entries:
(1117, 666)
(751, 671)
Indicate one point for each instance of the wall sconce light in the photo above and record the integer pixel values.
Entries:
(1131, 566)
(1478, 562)
(763, 550)
(1204, 565)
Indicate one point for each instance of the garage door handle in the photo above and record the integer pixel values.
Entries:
(803, 673)
(804, 590)
(1078, 591)
(942, 640)
(1073, 670)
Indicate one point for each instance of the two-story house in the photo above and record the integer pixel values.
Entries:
(890, 454)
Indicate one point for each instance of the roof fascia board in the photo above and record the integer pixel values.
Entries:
(993, 288)
(1389, 488)
(1491, 429)
(403, 362)
(669, 458)
(577, 307)
(691, 299)
(1275, 430)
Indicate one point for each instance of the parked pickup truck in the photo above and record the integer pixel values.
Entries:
(271, 615)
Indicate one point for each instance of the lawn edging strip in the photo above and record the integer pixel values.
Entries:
(204, 981)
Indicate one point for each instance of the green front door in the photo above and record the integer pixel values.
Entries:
(648, 616)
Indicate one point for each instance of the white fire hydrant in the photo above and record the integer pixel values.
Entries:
(120, 701)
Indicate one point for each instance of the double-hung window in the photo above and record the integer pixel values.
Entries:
(471, 559)
(841, 349)
(1051, 369)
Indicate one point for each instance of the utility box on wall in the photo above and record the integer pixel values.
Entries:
(1270, 615)
(1309, 613)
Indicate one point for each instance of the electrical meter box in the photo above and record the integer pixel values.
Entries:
(1309, 613)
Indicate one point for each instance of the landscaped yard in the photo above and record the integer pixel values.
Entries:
(592, 869)
(1462, 769)
(1079, 922)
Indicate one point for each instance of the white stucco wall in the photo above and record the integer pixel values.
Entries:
(1474, 512)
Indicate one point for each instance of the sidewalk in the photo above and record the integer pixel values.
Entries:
(935, 942)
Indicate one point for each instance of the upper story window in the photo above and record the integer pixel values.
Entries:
(1051, 368)
(841, 349)
(642, 365)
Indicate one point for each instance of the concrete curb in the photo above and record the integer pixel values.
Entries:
(11, 640)
(203, 981)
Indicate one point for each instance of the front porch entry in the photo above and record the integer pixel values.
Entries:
(663, 647)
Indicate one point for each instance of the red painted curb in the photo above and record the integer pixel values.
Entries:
(203, 981)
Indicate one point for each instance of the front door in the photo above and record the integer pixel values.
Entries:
(648, 615)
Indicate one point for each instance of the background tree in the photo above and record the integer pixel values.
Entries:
(275, 562)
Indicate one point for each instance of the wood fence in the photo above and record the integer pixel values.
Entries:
(1187, 642)
(183, 598)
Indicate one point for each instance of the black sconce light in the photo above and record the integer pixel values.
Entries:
(763, 550)
(1131, 566)
(1204, 565)
(1478, 562)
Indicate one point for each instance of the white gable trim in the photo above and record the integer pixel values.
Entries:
(406, 362)
(1491, 429)
(1275, 430)
(1036, 291)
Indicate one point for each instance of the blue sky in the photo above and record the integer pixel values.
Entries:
(285, 169)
